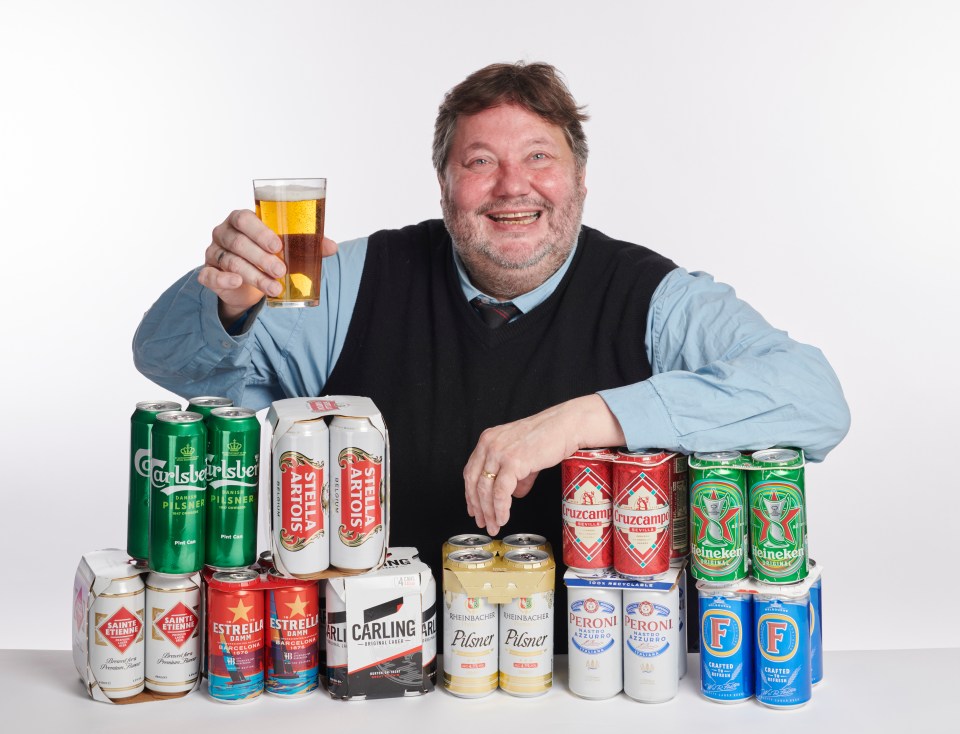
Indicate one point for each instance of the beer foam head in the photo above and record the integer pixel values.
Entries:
(288, 192)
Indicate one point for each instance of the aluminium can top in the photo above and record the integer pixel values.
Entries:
(471, 558)
(179, 416)
(157, 406)
(528, 559)
(716, 458)
(211, 401)
(231, 413)
(470, 540)
(777, 457)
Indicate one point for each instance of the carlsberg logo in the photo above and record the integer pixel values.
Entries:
(174, 481)
(235, 471)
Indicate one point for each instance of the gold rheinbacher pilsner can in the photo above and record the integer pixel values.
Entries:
(295, 209)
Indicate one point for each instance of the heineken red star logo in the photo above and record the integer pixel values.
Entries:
(713, 517)
(780, 521)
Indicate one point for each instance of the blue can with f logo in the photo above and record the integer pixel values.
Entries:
(783, 657)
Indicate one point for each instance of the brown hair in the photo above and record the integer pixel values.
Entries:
(537, 87)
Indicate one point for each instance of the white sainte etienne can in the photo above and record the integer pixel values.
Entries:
(595, 652)
(526, 632)
(300, 517)
(470, 632)
(173, 642)
(651, 636)
(357, 495)
(115, 643)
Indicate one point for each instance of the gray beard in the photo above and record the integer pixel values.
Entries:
(498, 276)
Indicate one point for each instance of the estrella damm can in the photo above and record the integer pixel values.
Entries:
(138, 506)
(233, 481)
(718, 516)
(205, 404)
(778, 526)
(783, 669)
(726, 642)
(235, 636)
(292, 609)
(178, 486)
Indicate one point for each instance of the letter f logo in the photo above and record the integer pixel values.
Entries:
(775, 632)
(718, 630)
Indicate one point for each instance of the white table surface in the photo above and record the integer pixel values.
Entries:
(910, 691)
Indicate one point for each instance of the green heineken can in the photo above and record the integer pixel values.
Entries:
(718, 516)
(233, 479)
(138, 504)
(778, 517)
(178, 487)
(205, 404)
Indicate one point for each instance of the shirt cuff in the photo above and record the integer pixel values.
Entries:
(642, 416)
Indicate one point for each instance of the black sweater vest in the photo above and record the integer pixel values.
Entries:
(440, 376)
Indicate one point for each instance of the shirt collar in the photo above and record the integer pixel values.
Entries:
(525, 302)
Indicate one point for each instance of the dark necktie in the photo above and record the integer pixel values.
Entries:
(494, 314)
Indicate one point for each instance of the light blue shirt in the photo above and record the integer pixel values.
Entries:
(722, 376)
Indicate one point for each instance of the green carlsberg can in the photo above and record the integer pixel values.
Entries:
(718, 516)
(778, 517)
(138, 505)
(233, 478)
(178, 481)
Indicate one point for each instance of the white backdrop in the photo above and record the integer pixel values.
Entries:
(805, 152)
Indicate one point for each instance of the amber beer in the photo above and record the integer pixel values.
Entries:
(294, 208)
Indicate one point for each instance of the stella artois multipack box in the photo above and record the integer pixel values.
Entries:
(330, 493)
(381, 630)
(135, 638)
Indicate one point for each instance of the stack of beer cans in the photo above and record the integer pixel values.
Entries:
(625, 544)
(148, 620)
(759, 593)
(498, 615)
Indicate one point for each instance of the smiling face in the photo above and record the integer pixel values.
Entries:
(512, 198)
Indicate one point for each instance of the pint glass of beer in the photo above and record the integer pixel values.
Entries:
(294, 209)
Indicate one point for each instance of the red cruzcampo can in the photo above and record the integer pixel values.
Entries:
(292, 635)
(641, 513)
(235, 636)
(587, 479)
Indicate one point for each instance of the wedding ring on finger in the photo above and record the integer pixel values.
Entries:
(220, 256)
(489, 475)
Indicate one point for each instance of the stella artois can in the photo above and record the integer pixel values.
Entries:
(293, 635)
(358, 494)
(178, 488)
(726, 642)
(470, 633)
(651, 625)
(138, 505)
(782, 653)
(679, 510)
(235, 618)
(233, 482)
(526, 632)
(587, 479)
(595, 631)
(205, 404)
(173, 643)
(524, 541)
(301, 514)
(641, 513)
(469, 541)
(116, 638)
(718, 527)
(778, 526)
(336, 636)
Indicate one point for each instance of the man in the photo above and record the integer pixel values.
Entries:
(602, 343)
